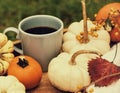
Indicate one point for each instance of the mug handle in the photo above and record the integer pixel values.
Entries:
(20, 51)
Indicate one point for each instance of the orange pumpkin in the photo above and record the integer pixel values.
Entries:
(27, 70)
(105, 10)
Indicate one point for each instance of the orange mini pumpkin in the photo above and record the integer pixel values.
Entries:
(105, 10)
(27, 70)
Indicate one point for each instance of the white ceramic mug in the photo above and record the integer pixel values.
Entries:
(42, 47)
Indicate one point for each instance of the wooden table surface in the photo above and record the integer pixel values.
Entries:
(45, 87)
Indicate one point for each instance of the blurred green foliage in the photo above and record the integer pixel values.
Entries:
(13, 11)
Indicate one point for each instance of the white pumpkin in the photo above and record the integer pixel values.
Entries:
(10, 84)
(113, 55)
(67, 72)
(6, 55)
(99, 38)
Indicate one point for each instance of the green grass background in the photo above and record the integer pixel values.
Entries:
(13, 11)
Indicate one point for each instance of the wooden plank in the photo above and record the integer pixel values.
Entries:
(45, 86)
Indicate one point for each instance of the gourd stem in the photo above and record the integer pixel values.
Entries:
(83, 52)
(96, 81)
(16, 42)
(22, 62)
(85, 35)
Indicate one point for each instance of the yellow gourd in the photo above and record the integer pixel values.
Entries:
(6, 55)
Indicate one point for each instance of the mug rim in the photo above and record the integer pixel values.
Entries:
(34, 16)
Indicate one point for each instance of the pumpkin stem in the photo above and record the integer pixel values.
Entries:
(22, 62)
(85, 35)
(83, 52)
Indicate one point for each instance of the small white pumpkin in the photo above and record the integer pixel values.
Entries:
(10, 84)
(99, 38)
(67, 72)
(113, 55)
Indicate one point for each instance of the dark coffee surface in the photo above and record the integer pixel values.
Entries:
(40, 30)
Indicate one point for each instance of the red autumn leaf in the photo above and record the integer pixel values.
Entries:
(99, 68)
